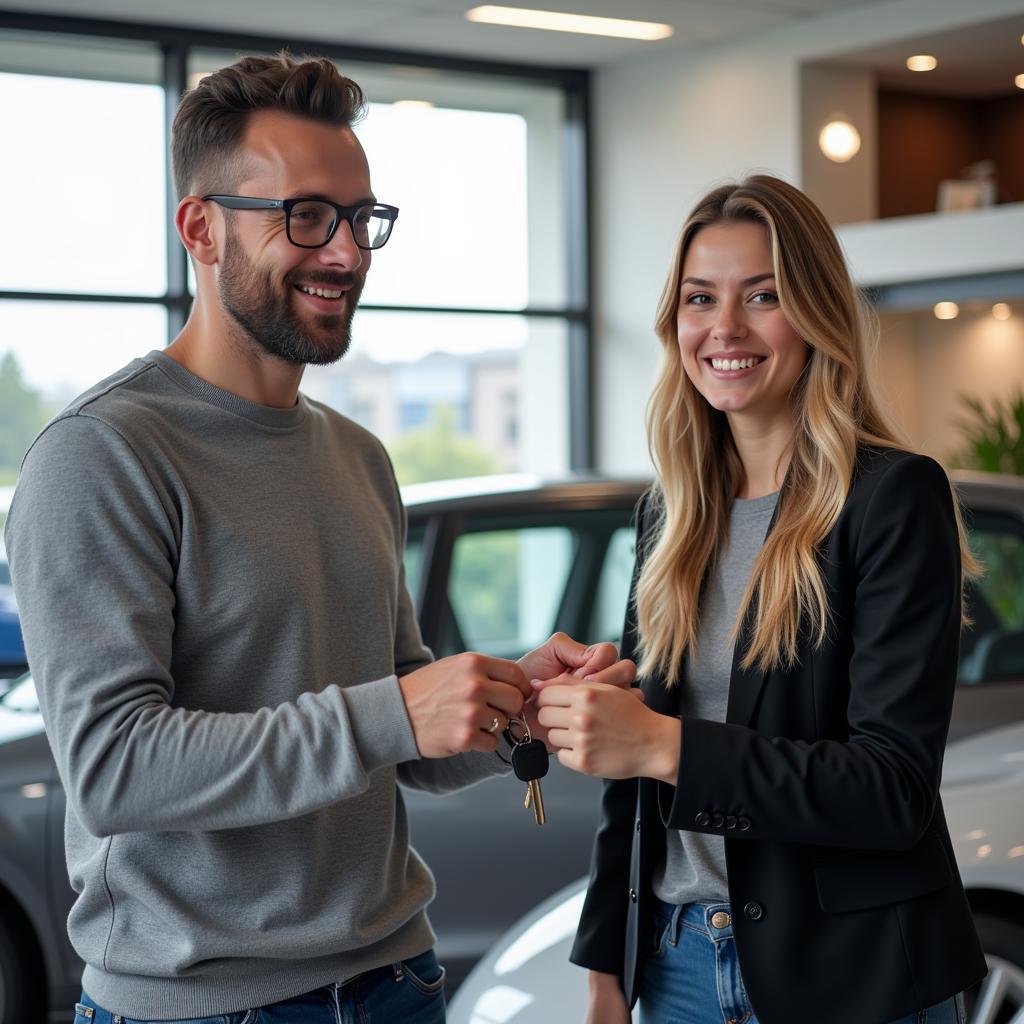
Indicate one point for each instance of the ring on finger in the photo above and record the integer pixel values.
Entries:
(495, 722)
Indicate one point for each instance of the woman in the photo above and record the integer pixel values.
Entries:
(773, 848)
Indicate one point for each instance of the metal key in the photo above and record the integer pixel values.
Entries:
(530, 764)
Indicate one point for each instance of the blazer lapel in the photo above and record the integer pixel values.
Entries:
(658, 697)
(745, 686)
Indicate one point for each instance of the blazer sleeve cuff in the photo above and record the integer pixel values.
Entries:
(691, 804)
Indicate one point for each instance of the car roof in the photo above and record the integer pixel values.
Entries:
(996, 491)
(993, 490)
(519, 489)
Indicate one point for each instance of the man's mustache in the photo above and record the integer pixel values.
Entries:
(325, 278)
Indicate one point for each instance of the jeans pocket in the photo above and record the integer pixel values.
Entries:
(659, 938)
(84, 1014)
(424, 973)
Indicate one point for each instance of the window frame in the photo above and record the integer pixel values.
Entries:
(177, 42)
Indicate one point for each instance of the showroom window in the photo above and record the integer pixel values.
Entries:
(470, 351)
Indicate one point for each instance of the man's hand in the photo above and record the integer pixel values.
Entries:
(453, 702)
(563, 660)
(601, 730)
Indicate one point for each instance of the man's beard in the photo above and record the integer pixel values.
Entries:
(254, 302)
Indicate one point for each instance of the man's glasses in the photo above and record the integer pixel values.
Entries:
(311, 223)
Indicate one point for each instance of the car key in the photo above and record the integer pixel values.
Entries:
(530, 764)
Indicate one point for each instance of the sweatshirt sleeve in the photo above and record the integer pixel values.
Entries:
(93, 550)
(433, 775)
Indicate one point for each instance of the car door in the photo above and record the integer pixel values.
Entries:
(514, 578)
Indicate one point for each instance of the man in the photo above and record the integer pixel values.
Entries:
(209, 567)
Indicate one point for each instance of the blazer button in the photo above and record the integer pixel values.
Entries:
(730, 821)
(632, 895)
(703, 819)
(743, 824)
(717, 820)
(753, 910)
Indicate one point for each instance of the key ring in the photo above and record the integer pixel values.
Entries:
(511, 738)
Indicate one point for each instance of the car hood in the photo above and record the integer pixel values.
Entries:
(989, 756)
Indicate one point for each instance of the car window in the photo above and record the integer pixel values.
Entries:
(505, 586)
(992, 649)
(612, 591)
(413, 558)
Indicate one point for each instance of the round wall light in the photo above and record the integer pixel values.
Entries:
(839, 141)
(946, 310)
(1019, 81)
(1002, 311)
(922, 62)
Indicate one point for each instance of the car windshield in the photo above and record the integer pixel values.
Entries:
(21, 696)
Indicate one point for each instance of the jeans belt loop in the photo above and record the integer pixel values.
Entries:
(673, 929)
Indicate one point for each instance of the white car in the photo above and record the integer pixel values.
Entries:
(526, 978)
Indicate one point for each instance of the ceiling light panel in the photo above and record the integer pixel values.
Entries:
(553, 21)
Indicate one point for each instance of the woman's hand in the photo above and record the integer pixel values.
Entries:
(607, 1003)
(604, 730)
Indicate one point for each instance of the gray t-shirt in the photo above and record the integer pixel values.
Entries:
(215, 611)
(694, 865)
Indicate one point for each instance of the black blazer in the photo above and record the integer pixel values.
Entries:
(824, 779)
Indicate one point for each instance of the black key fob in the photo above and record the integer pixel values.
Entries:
(530, 760)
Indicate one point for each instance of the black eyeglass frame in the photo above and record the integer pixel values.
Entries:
(341, 213)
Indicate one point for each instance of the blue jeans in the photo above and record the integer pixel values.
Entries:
(691, 974)
(411, 991)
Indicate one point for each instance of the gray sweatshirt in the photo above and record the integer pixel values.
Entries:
(215, 611)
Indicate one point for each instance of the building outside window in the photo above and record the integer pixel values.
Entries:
(474, 317)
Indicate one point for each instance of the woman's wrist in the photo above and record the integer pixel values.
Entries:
(664, 757)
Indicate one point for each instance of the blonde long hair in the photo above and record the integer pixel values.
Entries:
(699, 468)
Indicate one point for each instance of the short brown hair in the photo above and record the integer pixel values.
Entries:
(211, 118)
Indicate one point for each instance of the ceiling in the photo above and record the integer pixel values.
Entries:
(439, 26)
(974, 61)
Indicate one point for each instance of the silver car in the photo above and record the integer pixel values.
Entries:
(526, 978)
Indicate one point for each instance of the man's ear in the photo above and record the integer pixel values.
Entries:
(196, 229)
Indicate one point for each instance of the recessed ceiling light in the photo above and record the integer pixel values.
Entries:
(1002, 311)
(946, 310)
(922, 62)
(519, 17)
(839, 141)
(414, 104)
(1019, 81)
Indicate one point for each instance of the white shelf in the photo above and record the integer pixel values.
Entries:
(935, 245)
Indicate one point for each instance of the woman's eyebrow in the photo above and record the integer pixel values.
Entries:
(702, 283)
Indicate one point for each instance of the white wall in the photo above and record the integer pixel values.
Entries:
(668, 127)
(845, 192)
(928, 364)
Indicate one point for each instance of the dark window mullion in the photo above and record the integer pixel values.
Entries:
(175, 72)
(580, 275)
